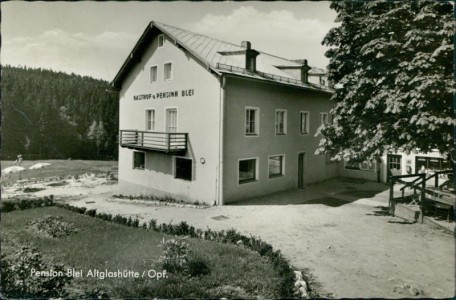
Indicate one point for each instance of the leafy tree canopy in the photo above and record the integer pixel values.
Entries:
(392, 66)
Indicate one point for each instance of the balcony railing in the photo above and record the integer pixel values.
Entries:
(168, 142)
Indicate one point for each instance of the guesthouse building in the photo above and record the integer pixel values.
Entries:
(210, 121)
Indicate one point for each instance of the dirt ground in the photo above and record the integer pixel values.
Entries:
(337, 230)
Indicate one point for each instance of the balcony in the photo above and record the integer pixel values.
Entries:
(167, 142)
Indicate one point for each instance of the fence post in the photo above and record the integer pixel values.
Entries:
(391, 195)
(436, 180)
(423, 198)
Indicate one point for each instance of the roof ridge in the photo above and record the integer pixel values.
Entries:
(203, 35)
(209, 37)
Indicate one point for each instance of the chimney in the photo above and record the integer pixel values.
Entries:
(305, 72)
(250, 56)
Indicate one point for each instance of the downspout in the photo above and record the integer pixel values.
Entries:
(221, 137)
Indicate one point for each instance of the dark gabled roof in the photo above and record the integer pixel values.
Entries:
(219, 56)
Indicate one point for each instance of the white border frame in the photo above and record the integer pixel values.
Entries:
(283, 166)
(164, 70)
(257, 121)
(133, 160)
(285, 121)
(146, 123)
(165, 127)
(175, 165)
(257, 170)
(307, 123)
(321, 118)
(150, 74)
(158, 41)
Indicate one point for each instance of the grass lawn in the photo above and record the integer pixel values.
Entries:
(58, 168)
(234, 270)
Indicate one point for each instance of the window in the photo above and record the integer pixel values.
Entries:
(150, 119)
(161, 40)
(322, 80)
(281, 122)
(183, 168)
(171, 120)
(351, 165)
(153, 74)
(251, 121)
(367, 166)
(323, 118)
(304, 122)
(328, 156)
(275, 166)
(168, 71)
(139, 160)
(247, 170)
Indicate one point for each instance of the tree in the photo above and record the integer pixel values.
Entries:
(97, 133)
(47, 114)
(391, 65)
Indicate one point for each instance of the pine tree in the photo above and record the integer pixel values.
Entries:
(391, 62)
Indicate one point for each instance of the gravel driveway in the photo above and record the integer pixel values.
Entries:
(338, 230)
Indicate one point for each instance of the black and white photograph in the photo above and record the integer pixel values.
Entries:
(227, 149)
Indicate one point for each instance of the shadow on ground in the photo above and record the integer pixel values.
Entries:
(383, 211)
(332, 193)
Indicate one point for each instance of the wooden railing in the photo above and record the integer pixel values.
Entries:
(420, 191)
(168, 142)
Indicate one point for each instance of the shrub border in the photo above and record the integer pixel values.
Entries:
(287, 287)
(12, 205)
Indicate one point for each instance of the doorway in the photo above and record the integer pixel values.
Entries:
(394, 165)
(301, 170)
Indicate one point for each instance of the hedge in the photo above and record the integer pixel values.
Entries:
(229, 236)
(12, 205)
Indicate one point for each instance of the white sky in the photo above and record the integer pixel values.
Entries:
(94, 38)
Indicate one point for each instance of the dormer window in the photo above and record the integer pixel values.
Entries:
(161, 40)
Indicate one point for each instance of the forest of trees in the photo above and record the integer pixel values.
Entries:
(47, 114)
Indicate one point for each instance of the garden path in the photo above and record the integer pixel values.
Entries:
(337, 230)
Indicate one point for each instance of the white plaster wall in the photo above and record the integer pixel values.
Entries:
(406, 159)
(268, 98)
(198, 115)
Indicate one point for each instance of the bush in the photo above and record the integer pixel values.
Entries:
(11, 205)
(8, 206)
(135, 222)
(53, 226)
(175, 254)
(103, 216)
(153, 224)
(91, 212)
(120, 220)
(197, 267)
(91, 293)
(17, 281)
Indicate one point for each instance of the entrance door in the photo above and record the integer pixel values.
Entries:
(171, 120)
(301, 170)
(394, 165)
